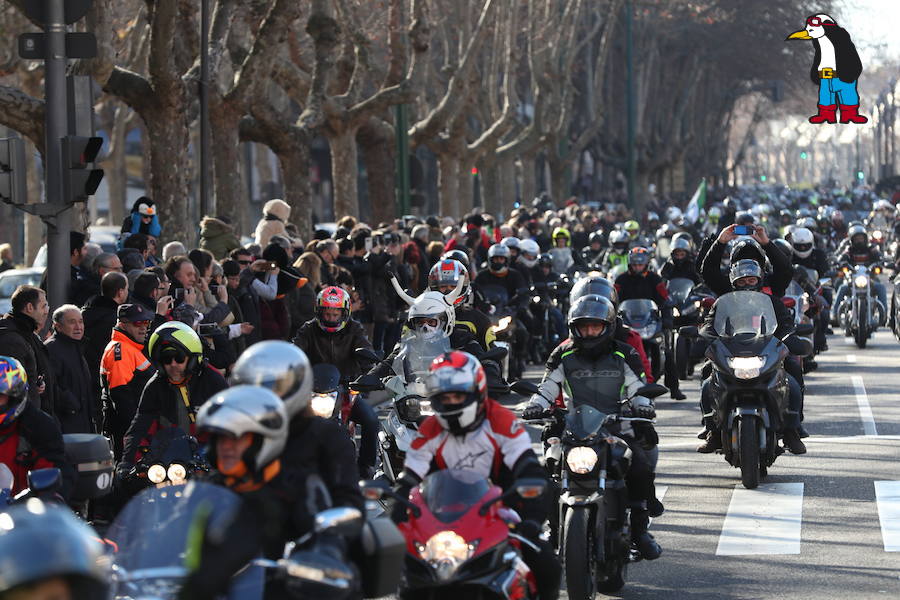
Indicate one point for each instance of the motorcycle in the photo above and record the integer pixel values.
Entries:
(589, 465)
(173, 456)
(644, 317)
(331, 400)
(496, 303)
(689, 302)
(458, 537)
(749, 383)
(547, 296)
(860, 313)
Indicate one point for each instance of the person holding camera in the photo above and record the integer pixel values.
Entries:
(386, 257)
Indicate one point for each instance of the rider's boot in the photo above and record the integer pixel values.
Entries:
(640, 537)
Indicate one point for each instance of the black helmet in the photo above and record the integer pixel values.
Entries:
(544, 260)
(858, 236)
(745, 268)
(596, 236)
(747, 248)
(592, 308)
(594, 284)
(39, 542)
(457, 255)
(785, 247)
(744, 218)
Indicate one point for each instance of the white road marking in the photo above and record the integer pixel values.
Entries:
(887, 497)
(763, 521)
(851, 358)
(865, 411)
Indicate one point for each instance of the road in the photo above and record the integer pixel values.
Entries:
(813, 529)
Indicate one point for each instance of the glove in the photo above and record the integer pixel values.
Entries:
(642, 408)
(533, 411)
(529, 529)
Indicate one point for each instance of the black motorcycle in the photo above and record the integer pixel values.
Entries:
(643, 316)
(689, 305)
(173, 456)
(589, 465)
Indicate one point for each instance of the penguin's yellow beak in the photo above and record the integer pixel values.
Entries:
(799, 35)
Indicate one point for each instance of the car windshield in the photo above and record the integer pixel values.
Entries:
(745, 312)
(449, 493)
(679, 289)
(584, 421)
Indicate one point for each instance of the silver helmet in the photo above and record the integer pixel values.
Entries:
(248, 409)
(278, 366)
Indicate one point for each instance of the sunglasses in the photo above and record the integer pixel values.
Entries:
(171, 357)
(816, 21)
(141, 323)
(245, 262)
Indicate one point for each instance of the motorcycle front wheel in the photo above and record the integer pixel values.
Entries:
(861, 335)
(748, 436)
(578, 555)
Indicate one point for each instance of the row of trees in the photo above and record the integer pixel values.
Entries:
(492, 85)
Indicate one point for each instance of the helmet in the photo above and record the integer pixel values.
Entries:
(545, 260)
(511, 242)
(858, 236)
(808, 222)
(592, 307)
(652, 218)
(679, 244)
(498, 251)
(457, 255)
(176, 338)
(596, 236)
(13, 383)
(448, 272)
(280, 367)
(333, 297)
(594, 284)
(882, 205)
(837, 218)
(674, 215)
(528, 252)
(744, 218)
(41, 541)
(784, 246)
(747, 248)
(247, 409)
(632, 228)
(638, 256)
(562, 232)
(714, 214)
(457, 371)
(618, 240)
(802, 242)
(683, 235)
(431, 305)
(745, 268)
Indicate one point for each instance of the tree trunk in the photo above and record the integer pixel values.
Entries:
(529, 179)
(167, 136)
(231, 200)
(264, 172)
(294, 161)
(490, 189)
(466, 193)
(448, 185)
(117, 176)
(506, 177)
(344, 167)
(378, 154)
(558, 177)
(641, 196)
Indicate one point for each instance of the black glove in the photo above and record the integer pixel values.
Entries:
(643, 409)
(533, 411)
(529, 529)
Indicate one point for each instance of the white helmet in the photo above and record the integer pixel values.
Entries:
(431, 305)
(278, 366)
(528, 252)
(247, 409)
(802, 241)
(674, 214)
(511, 242)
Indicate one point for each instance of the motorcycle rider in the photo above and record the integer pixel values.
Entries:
(680, 262)
(591, 367)
(29, 437)
(184, 380)
(592, 254)
(543, 277)
(248, 433)
(804, 253)
(562, 253)
(641, 283)
(747, 275)
(473, 432)
(617, 253)
(528, 256)
(443, 278)
(860, 252)
(333, 338)
(757, 247)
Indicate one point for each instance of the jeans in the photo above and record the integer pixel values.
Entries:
(835, 91)
(880, 293)
(364, 417)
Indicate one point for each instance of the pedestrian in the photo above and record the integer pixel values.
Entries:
(99, 315)
(143, 219)
(328, 251)
(19, 340)
(89, 284)
(309, 265)
(6, 258)
(275, 215)
(217, 236)
(241, 292)
(74, 403)
(147, 292)
(76, 256)
(173, 249)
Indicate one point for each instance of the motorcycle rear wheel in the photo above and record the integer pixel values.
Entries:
(748, 437)
(578, 555)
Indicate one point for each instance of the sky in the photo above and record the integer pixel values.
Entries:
(874, 27)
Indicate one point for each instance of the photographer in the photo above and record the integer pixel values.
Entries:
(384, 258)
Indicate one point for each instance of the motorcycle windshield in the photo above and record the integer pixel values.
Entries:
(584, 421)
(496, 296)
(637, 312)
(169, 445)
(793, 289)
(679, 289)
(153, 532)
(450, 493)
(745, 312)
(416, 354)
(326, 378)
(811, 275)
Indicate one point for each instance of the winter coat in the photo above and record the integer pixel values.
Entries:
(249, 302)
(386, 305)
(133, 223)
(99, 316)
(275, 214)
(218, 237)
(18, 340)
(77, 406)
(275, 321)
(34, 441)
(334, 348)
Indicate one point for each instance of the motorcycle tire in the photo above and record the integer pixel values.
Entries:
(748, 438)
(578, 555)
(861, 335)
(682, 357)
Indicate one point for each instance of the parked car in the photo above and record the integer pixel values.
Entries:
(10, 280)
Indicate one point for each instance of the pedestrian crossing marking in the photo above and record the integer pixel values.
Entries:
(766, 520)
(887, 497)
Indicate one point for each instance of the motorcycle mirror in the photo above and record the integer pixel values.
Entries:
(368, 354)
(707, 302)
(496, 353)
(367, 383)
(339, 521)
(524, 388)
(690, 331)
(652, 390)
(44, 480)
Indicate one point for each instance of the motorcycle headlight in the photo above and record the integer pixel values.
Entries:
(536, 299)
(176, 473)
(502, 325)
(156, 473)
(445, 551)
(861, 281)
(746, 367)
(323, 404)
(581, 459)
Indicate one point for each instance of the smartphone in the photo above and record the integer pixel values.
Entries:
(368, 244)
(272, 266)
(209, 329)
(179, 293)
(744, 230)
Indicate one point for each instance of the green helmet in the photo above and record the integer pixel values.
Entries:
(178, 338)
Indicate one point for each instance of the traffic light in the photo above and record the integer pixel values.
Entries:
(12, 171)
(79, 181)
(804, 155)
(860, 175)
(762, 178)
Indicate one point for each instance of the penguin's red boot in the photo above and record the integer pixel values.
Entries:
(849, 114)
(827, 114)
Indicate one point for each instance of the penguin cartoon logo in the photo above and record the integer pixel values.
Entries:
(835, 69)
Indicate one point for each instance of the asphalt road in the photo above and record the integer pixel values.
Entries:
(814, 528)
